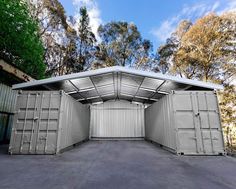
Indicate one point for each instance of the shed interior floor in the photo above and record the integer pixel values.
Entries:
(117, 164)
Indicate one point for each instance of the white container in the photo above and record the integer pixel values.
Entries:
(186, 122)
(46, 122)
(117, 119)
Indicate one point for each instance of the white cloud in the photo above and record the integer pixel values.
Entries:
(93, 12)
(166, 28)
(191, 12)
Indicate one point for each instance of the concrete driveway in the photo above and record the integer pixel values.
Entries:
(117, 164)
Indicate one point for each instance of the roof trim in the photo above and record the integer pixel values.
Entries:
(118, 69)
(10, 69)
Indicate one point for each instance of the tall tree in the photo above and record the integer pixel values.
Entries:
(123, 44)
(68, 49)
(20, 42)
(165, 52)
(204, 50)
(57, 35)
(86, 41)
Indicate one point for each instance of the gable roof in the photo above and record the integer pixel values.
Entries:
(117, 83)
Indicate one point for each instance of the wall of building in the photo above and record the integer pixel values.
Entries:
(117, 119)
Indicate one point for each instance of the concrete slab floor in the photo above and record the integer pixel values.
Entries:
(114, 165)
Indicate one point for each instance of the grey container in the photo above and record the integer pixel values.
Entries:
(186, 122)
(46, 122)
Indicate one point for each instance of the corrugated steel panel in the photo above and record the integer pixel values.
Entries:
(117, 83)
(7, 99)
(74, 122)
(187, 122)
(117, 119)
(46, 122)
(159, 125)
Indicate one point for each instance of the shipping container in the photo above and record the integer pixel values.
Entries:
(117, 119)
(47, 122)
(186, 122)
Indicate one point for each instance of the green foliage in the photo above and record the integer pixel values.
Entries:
(19, 40)
(123, 45)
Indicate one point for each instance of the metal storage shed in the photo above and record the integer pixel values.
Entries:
(123, 103)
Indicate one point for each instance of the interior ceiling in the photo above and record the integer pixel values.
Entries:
(110, 85)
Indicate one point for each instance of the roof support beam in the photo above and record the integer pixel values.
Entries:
(156, 91)
(94, 97)
(78, 90)
(138, 88)
(95, 88)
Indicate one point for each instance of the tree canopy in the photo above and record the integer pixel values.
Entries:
(123, 45)
(20, 43)
(202, 50)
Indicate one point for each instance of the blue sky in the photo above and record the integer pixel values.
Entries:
(155, 19)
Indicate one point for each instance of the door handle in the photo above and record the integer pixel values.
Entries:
(197, 114)
(36, 118)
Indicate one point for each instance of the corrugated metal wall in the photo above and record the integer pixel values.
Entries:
(46, 122)
(159, 125)
(187, 122)
(7, 99)
(7, 104)
(74, 122)
(117, 119)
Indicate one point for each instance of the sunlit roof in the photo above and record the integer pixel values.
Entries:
(116, 83)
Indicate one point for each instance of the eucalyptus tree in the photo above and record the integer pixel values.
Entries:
(123, 44)
(85, 43)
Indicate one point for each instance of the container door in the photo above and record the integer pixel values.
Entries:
(23, 138)
(47, 123)
(35, 124)
(197, 122)
(187, 124)
(209, 119)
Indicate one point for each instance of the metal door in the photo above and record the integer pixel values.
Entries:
(35, 123)
(198, 123)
